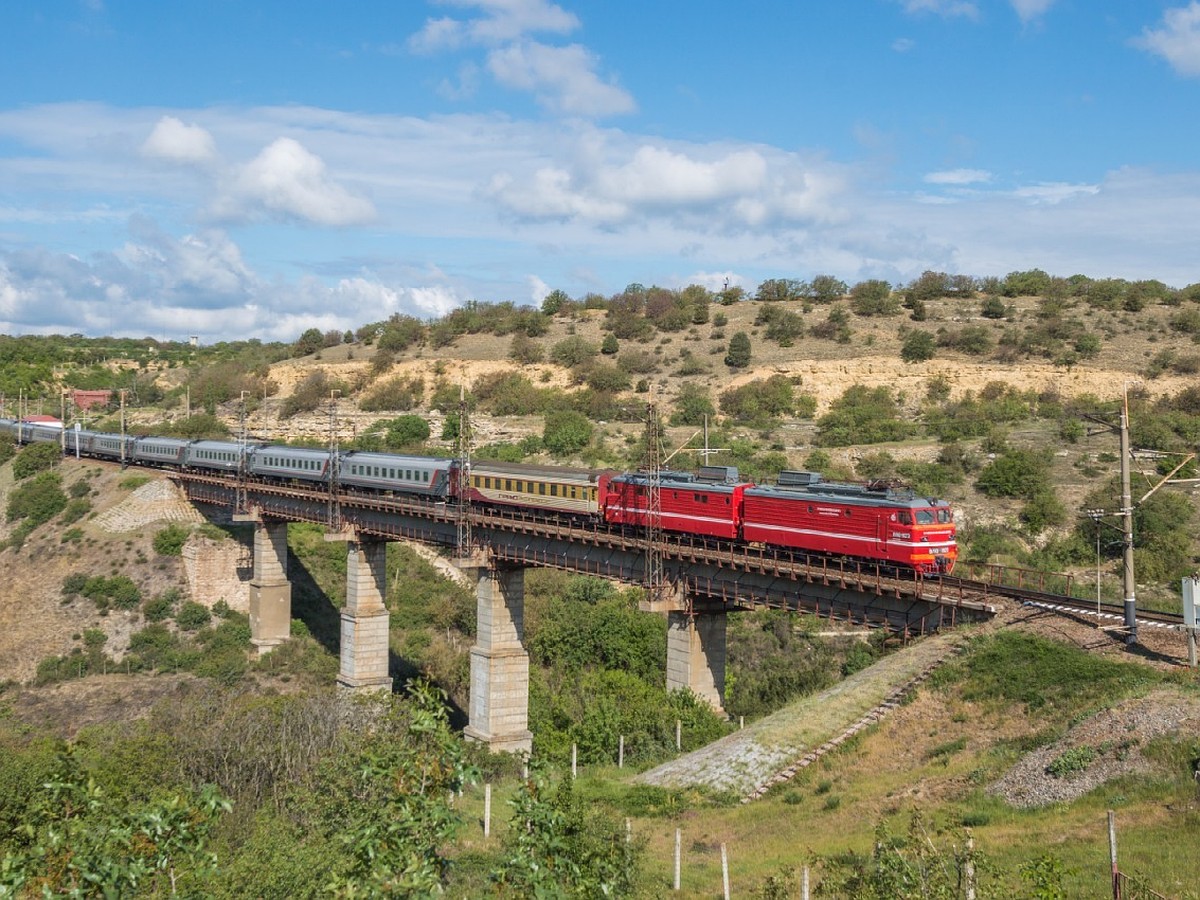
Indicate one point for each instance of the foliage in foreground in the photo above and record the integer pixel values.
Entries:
(77, 840)
(558, 848)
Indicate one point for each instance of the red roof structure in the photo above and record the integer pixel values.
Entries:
(85, 400)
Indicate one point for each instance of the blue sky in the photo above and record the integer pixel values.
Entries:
(241, 168)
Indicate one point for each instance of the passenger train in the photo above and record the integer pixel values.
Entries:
(801, 512)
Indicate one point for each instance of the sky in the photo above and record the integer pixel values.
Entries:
(237, 169)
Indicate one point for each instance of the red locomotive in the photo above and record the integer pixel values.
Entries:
(875, 522)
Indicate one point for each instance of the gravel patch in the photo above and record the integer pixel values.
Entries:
(1112, 741)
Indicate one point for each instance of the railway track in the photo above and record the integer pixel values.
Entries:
(1114, 612)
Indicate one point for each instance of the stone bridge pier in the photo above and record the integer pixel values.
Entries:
(499, 707)
(696, 655)
(364, 645)
(270, 604)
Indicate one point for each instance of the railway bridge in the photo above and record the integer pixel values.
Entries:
(702, 583)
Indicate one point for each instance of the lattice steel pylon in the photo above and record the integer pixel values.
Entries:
(463, 484)
(655, 580)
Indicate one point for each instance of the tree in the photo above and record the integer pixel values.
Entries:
(36, 458)
(827, 289)
(993, 308)
(779, 289)
(731, 294)
(560, 847)
(309, 342)
(692, 405)
(873, 298)
(572, 351)
(566, 432)
(918, 346)
(80, 842)
(525, 349)
(553, 302)
(401, 818)
(406, 431)
(862, 415)
(738, 355)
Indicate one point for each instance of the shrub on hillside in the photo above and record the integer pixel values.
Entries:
(397, 394)
(918, 346)
(862, 415)
(36, 458)
(169, 541)
(572, 351)
(566, 432)
(193, 616)
(759, 402)
(738, 354)
(692, 404)
(37, 500)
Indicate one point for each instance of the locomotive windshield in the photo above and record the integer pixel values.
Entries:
(944, 517)
(925, 517)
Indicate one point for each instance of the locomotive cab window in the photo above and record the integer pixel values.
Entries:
(924, 516)
(905, 518)
(943, 516)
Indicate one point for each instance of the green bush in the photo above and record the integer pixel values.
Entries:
(37, 500)
(74, 584)
(1015, 473)
(566, 432)
(738, 354)
(692, 404)
(1072, 762)
(572, 351)
(394, 395)
(862, 415)
(36, 458)
(759, 402)
(918, 346)
(170, 540)
(75, 510)
(118, 591)
(193, 616)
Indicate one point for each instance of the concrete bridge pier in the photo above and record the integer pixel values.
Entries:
(364, 646)
(270, 591)
(696, 655)
(499, 708)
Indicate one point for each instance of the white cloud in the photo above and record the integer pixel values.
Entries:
(1055, 192)
(435, 300)
(947, 9)
(538, 290)
(959, 176)
(287, 181)
(1031, 9)
(502, 21)
(612, 185)
(903, 45)
(173, 141)
(563, 79)
(1178, 40)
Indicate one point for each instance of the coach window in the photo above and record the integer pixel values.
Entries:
(554, 490)
(542, 488)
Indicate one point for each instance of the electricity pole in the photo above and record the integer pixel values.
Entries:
(1128, 581)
